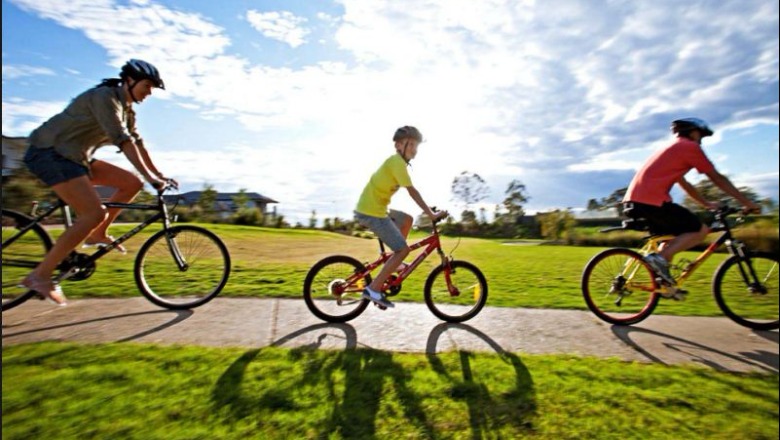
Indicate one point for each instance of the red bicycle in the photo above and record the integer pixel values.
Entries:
(455, 291)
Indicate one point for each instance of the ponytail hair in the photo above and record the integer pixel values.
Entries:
(110, 82)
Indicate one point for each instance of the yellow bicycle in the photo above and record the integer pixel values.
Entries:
(621, 288)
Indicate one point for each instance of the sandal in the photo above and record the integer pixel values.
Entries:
(102, 244)
(46, 289)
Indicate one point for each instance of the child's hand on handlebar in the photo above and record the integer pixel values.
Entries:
(438, 215)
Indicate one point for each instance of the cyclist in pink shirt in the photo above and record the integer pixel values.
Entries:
(648, 194)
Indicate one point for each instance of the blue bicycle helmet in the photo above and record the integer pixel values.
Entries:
(140, 70)
(686, 125)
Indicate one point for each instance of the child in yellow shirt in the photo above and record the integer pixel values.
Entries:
(372, 209)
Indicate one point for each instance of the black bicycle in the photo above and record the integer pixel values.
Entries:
(178, 267)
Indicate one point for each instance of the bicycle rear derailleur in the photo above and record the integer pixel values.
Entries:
(76, 267)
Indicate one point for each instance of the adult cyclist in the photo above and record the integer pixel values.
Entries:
(61, 155)
(648, 195)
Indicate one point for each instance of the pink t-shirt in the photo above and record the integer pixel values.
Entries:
(654, 181)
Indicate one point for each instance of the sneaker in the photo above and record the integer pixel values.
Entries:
(46, 289)
(377, 298)
(661, 267)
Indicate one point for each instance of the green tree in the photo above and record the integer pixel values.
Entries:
(516, 196)
(207, 202)
(313, 220)
(711, 192)
(469, 188)
(23, 188)
(555, 224)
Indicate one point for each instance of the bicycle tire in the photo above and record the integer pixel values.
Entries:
(761, 311)
(318, 288)
(610, 295)
(443, 304)
(161, 280)
(21, 256)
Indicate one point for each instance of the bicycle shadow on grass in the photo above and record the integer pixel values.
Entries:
(761, 360)
(349, 382)
(181, 315)
(487, 409)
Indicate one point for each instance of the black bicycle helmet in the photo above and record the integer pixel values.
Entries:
(140, 70)
(686, 125)
(407, 131)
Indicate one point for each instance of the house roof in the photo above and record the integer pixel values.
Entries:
(193, 196)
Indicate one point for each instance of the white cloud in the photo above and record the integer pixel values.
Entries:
(283, 26)
(19, 71)
(501, 88)
(21, 116)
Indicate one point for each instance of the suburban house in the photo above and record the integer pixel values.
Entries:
(224, 205)
(13, 152)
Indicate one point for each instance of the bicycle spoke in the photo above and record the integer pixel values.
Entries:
(619, 287)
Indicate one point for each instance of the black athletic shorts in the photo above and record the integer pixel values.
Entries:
(668, 218)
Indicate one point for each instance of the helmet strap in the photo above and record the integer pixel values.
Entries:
(130, 90)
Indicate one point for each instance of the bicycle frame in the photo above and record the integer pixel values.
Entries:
(161, 214)
(653, 244)
(431, 243)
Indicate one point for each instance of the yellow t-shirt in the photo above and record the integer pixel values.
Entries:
(383, 184)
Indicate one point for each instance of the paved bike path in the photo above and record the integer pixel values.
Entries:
(243, 322)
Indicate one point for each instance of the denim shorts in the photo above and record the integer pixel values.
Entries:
(384, 228)
(52, 167)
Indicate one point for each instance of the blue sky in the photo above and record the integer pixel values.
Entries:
(298, 100)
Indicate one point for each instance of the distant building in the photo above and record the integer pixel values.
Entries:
(13, 152)
(224, 204)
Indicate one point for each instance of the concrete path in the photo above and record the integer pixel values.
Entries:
(711, 342)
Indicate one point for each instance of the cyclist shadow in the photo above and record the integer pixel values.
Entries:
(362, 375)
(353, 380)
(487, 408)
(181, 315)
(762, 360)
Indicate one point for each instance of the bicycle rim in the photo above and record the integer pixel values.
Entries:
(205, 270)
(619, 287)
(331, 291)
(462, 297)
(20, 257)
(754, 306)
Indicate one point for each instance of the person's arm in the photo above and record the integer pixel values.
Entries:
(150, 165)
(725, 184)
(695, 194)
(415, 195)
(133, 154)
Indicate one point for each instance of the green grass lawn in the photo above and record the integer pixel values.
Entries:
(274, 263)
(137, 391)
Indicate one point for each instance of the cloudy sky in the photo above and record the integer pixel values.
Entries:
(298, 100)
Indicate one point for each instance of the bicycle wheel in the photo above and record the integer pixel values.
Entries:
(619, 287)
(21, 254)
(330, 294)
(748, 302)
(182, 267)
(460, 298)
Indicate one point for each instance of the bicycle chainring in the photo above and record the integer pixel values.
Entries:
(393, 290)
(85, 267)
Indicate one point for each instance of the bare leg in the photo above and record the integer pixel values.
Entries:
(82, 197)
(388, 269)
(127, 187)
(683, 242)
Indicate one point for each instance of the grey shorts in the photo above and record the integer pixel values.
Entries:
(51, 167)
(385, 228)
